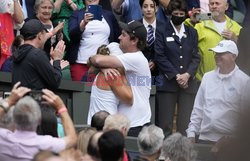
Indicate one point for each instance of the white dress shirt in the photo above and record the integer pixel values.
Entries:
(217, 104)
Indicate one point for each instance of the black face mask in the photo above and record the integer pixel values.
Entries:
(177, 20)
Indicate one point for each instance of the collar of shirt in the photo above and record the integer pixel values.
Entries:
(223, 76)
(24, 134)
(145, 23)
(182, 30)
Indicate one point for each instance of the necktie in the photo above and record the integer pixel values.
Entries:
(150, 35)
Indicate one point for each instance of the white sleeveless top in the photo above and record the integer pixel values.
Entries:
(101, 100)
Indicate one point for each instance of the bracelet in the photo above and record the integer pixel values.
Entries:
(62, 110)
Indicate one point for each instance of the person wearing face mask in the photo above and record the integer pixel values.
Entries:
(177, 58)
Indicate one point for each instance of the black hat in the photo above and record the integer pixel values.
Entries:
(135, 27)
(33, 27)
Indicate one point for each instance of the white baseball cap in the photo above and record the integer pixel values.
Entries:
(226, 46)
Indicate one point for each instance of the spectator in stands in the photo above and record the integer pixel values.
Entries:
(118, 122)
(11, 17)
(7, 66)
(31, 66)
(111, 145)
(86, 36)
(62, 12)
(177, 59)
(211, 32)
(43, 10)
(128, 10)
(149, 8)
(216, 108)
(132, 41)
(48, 123)
(121, 123)
(177, 147)
(150, 142)
(93, 149)
(98, 119)
(83, 139)
(107, 94)
(26, 116)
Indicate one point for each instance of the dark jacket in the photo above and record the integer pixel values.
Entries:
(32, 68)
(7, 65)
(30, 7)
(149, 51)
(176, 57)
(76, 34)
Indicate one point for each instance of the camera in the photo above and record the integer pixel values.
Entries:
(36, 95)
(203, 16)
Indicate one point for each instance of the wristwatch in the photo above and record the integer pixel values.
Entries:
(4, 105)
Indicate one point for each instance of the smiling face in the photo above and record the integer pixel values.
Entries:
(149, 9)
(44, 10)
(218, 7)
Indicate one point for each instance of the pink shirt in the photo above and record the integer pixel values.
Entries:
(23, 145)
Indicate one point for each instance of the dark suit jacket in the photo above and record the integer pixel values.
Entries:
(149, 52)
(176, 57)
(30, 7)
(75, 33)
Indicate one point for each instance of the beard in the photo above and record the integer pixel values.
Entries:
(215, 14)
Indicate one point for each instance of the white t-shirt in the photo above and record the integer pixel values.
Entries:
(139, 77)
(220, 26)
(95, 34)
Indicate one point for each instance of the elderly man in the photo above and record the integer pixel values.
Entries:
(177, 147)
(217, 102)
(31, 65)
(24, 143)
(118, 122)
(150, 142)
(132, 41)
(211, 32)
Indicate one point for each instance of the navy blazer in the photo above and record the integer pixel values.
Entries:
(76, 34)
(149, 50)
(174, 56)
(30, 7)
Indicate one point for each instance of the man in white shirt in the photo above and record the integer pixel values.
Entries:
(132, 41)
(217, 103)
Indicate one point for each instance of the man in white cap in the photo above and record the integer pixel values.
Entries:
(217, 102)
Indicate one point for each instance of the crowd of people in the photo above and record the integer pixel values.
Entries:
(187, 49)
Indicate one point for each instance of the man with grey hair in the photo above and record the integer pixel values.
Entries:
(177, 147)
(117, 121)
(217, 103)
(211, 32)
(24, 143)
(149, 142)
